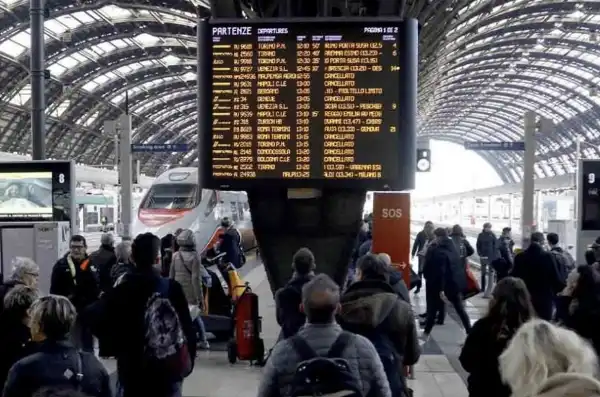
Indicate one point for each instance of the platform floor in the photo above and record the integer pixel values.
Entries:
(438, 373)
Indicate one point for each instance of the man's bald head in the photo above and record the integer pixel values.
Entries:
(320, 299)
(385, 258)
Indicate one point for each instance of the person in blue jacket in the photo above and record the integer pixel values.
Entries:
(230, 242)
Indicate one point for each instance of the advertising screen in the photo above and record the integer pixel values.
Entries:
(35, 191)
(311, 104)
(26, 195)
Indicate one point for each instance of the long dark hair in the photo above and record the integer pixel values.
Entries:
(510, 307)
(587, 290)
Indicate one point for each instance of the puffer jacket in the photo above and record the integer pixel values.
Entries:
(360, 354)
(569, 384)
(185, 269)
(373, 304)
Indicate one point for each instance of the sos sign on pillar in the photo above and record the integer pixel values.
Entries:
(391, 229)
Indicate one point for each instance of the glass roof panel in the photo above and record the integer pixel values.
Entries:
(22, 97)
(18, 43)
(60, 109)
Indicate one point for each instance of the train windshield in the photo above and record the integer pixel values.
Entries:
(175, 196)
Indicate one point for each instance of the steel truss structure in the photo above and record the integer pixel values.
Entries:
(483, 63)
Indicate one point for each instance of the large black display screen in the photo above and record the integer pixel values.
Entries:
(590, 195)
(35, 191)
(311, 104)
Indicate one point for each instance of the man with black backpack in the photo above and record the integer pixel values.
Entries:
(371, 307)
(145, 323)
(289, 298)
(322, 359)
(564, 260)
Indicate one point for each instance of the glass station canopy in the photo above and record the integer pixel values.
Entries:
(483, 64)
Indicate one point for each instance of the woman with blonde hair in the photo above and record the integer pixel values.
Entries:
(543, 360)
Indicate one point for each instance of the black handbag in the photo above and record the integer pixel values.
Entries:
(415, 280)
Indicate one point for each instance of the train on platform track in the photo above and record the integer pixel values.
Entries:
(175, 201)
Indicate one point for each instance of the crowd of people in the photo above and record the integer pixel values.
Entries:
(540, 336)
(140, 301)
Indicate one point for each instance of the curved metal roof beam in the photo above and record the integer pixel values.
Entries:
(509, 102)
(172, 102)
(137, 117)
(513, 90)
(528, 17)
(445, 126)
(115, 67)
(122, 30)
(186, 127)
(554, 57)
(84, 110)
(165, 81)
(563, 113)
(162, 85)
(490, 70)
(574, 124)
(166, 115)
(141, 100)
(498, 56)
(566, 121)
(499, 119)
(496, 159)
(155, 71)
(501, 170)
(68, 8)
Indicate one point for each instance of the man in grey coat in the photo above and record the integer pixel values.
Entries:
(320, 302)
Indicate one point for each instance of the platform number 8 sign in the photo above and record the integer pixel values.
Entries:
(61, 178)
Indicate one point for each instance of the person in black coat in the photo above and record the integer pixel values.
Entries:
(422, 238)
(288, 299)
(75, 277)
(487, 249)
(57, 363)
(510, 307)
(538, 269)
(103, 260)
(118, 321)
(579, 305)
(15, 336)
(446, 280)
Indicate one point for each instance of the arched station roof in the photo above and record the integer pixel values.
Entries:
(483, 64)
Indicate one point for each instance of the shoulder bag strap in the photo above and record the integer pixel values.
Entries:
(302, 348)
(78, 370)
(339, 345)
(183, 262)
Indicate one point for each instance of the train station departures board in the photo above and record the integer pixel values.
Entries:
(310, 103)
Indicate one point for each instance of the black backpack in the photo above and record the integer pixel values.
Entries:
(322, 376)
(288, 301)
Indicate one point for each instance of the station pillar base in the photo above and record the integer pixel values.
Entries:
(325, 221)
